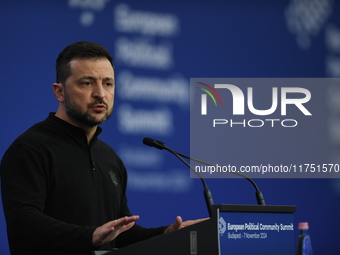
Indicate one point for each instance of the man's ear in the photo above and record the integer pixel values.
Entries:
(58, 91)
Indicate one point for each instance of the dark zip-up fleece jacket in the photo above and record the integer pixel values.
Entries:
(57, 189)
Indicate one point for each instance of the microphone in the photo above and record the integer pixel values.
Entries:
(160, 145)
(153, 143)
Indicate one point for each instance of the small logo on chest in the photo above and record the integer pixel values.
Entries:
(113, 178)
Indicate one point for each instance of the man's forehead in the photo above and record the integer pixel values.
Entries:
(75, 61)
(91, 65)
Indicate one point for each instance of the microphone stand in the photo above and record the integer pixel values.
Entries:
(259, 195)
(207, 194)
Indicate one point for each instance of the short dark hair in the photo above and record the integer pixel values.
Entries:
(78, 50)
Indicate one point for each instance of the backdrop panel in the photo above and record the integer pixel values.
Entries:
(157, 48)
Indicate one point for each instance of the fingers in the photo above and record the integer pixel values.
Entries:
(112, 229)
(191, 222)
(123, 221)
(174, 226)
(125, 227)
(180, 224)
(177, 224)
(178, 221)
(123, 224)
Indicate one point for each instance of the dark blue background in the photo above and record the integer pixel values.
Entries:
(216, 39)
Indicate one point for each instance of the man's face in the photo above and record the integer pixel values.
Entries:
(89, 92)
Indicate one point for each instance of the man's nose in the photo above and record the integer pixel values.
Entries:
(98, 91)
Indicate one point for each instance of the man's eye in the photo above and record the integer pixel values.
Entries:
(86, 83)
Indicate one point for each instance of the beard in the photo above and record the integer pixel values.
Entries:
(74, 111)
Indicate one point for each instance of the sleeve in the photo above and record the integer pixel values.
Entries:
(24, 177)
(137, 233)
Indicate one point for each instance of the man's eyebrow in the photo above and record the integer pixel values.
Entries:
(108, 79)
(94, 78)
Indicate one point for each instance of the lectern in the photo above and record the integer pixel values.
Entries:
(232, 230)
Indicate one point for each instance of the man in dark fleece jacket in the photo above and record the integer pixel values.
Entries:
(63, 189)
